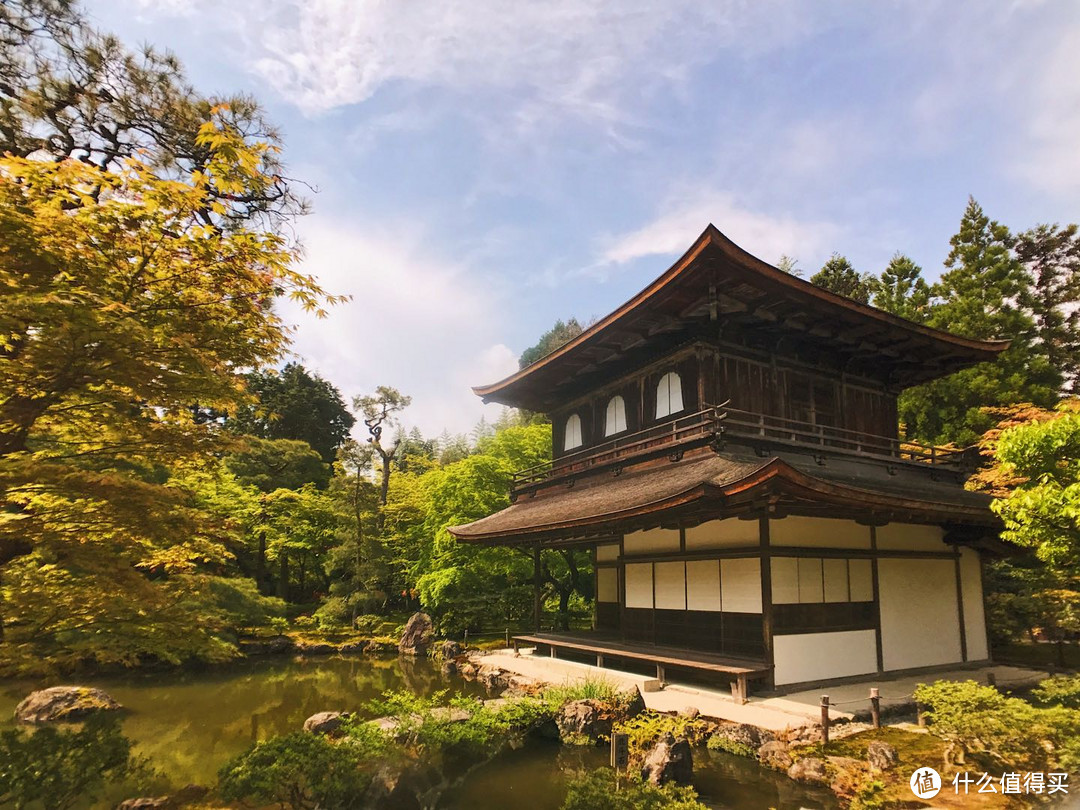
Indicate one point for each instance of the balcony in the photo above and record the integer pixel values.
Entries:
(715, 424)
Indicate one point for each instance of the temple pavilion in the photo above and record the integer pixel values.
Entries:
(726, 445)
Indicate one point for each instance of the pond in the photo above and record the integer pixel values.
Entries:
(189, 723)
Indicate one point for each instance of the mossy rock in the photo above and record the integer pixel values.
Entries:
(64, 703)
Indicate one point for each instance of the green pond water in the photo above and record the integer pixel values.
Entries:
(189, 723)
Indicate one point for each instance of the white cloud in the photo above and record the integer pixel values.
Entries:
(420, 322)
(583, 57)
(765, 235)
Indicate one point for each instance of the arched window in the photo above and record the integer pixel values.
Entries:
(572, 435)
(615, 418)
(668, 395)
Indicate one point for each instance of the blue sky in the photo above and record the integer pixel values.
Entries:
(486, 167)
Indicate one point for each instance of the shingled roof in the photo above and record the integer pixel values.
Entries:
(717, 279)
(603, 504)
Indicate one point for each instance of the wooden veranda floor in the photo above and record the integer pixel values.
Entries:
(739, 670)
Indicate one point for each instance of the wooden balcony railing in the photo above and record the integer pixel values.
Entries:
(716, 422)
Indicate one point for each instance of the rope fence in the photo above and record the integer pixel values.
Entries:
(875, 698)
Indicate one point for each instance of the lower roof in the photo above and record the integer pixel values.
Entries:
(716, 484)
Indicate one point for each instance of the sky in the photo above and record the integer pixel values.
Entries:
(481, 169)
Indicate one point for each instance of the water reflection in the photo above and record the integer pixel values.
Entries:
(190, 723)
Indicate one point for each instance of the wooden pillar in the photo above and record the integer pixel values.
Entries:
(766, 597)
(537, 606)
(986, 613)
(960, 608)
(877, 599)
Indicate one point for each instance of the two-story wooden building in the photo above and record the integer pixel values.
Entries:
(726, 442)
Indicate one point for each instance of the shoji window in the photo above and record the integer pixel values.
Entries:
(668, 395)
(615, 418)
(572, 436)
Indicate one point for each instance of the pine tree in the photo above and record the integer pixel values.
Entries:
(839, 276)
(902, 290)
(1051, 255)
(981, 296)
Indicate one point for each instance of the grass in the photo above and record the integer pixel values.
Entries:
(600, 689)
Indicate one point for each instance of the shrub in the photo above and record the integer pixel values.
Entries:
(300, 771)
(58, 766)
(333, 612)
(647, 728)
(436, 728)
(1060, 690)
(1007, 731)
(601, 790)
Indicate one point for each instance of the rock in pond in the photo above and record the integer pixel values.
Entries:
(775, 755)
(147, 803)
(808, 769)
(325, 722)
(416, 637)
(670, 760)
(583, 718)
(744, 737)
(63, 703)
(881, 755)
(450, 649)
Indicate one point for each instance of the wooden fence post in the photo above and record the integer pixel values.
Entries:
(825, 719)
(875, 706)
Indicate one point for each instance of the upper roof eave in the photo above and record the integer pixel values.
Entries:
(712, 237)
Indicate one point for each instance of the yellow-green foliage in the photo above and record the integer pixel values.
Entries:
(1060, 690)
(647, 728)
(1005, 731)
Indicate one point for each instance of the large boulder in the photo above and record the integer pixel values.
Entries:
(809, 769)
(881, 755)
(328, 723)
(416, 637)
(63, 703)
(315, 648)
(670, 760)
(583, 719)
(775, 755)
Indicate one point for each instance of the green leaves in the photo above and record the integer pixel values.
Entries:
(1043, 512)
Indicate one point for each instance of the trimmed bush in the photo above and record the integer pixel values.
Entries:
(1059, 690)
(1006, 731)
(300, 771)
(601, 790)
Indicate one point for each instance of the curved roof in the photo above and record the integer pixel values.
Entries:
(715, 480)
(716, 277)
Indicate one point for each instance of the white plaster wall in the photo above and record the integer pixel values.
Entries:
(608, 553)
(811, 587)
(819, 656)
(861, 580)
(836, 580)
(740, 585)
(651, 541)
(920, 618)
(729, 533)
(974, 617)
(911, 537)
(818, 533)
(670, 585)
(785, 580)
(639, 585)
(607, 584)
(703, 585)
